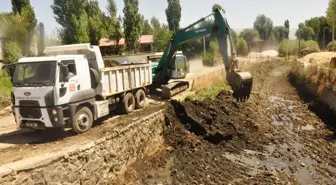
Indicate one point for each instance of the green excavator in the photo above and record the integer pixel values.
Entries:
(170, 64)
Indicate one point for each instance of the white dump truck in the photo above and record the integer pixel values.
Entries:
(70, 88)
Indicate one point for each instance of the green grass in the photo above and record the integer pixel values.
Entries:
(5, 89)
(208, 93)
(5, 84)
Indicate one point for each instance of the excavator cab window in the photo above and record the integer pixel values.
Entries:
(180, 62)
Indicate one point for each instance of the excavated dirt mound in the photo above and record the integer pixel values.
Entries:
(202, 132)
(222, 122)
(111, 63)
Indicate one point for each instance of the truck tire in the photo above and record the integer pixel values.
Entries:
(95, 77)
(140, 99)
(127, 104)
(83, 120)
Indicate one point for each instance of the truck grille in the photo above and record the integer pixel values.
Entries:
(30, 109)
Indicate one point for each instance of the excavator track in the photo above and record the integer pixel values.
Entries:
(173, 89)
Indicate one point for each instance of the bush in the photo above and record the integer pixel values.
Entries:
(330, 46)
(5, 89)
(298, 72)
(208, 93)
(5, 83)
(242, 47)
(309, 46)
(208, 59)
(12, 52)
(288, 45)
(210, 56)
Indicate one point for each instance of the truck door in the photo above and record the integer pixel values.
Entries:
(68, 85)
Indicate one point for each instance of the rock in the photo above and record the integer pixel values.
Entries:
(149, 176)
(169, 148)
(303, 164)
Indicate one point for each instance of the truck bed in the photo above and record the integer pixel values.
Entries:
(125, 78)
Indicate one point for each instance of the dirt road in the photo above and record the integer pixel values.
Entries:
(274, 138)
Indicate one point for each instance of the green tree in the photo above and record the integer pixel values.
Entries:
(235, 38)
(173, 13)
(112, 10)
(331, 12)
(95, 22)
(286, 24)
(72, 17)
(12, 52)
(249, 35)
(113, 25)
(280, 33)
(24, 8)
(13, 28)
(24, 11)
(264, 26)
(315, 24)
(217, 6)
(132, 24)
(41, 38)
(18, 5)
(242, 47)
(155, 23)
(304, 32)
(162, 34)
(322, 31)
(146, 28)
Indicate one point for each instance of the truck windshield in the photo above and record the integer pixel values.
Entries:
(35, 74)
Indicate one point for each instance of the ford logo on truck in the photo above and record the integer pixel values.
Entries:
(27, 93)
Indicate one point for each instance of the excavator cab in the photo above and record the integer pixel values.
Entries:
(180, 67)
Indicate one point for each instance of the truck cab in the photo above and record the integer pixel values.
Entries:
(44, 89)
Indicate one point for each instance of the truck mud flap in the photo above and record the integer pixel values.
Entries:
(173, 89)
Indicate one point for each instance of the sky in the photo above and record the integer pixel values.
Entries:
(240, 13)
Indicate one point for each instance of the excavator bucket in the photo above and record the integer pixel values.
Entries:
(241, 83)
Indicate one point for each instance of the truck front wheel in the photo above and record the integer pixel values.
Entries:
(83, 120)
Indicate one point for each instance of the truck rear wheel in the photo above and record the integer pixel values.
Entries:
(140, 99)
(127, 104)
(83, 120)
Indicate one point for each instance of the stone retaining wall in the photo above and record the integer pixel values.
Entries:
(207, 80)
(97, 162)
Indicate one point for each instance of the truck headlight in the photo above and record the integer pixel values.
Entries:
(56, 119)
(54, 112)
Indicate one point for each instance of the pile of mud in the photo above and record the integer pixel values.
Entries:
(224, 122)
(201, 133)
(111, 63)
